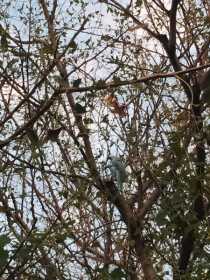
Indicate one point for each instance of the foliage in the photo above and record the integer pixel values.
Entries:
(83, 82)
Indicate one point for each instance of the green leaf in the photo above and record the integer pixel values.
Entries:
(79, 108)
(160, 218)
(4, 240)
(4, 43)
(116, 79)
(138, 3)
(12, 61)
(33, 137)
(24, 252)
(47, 49)
(117, 274)
(72, 46)
(106, 37)
(100, 83)
(104, 274)
(3, 257)
(105, 119)
(76, 83)
(88, 121)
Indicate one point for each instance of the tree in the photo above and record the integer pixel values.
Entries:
(104, 139)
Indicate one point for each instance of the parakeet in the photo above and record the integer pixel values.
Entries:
(52, 134)
(76, 83)
(118, 171)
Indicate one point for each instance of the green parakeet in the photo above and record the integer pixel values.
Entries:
(118, 171)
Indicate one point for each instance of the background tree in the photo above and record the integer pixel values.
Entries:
(104, 139)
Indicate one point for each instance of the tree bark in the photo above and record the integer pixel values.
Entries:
(145, 260)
